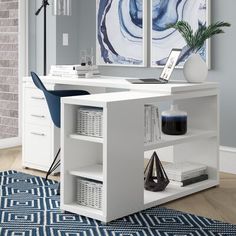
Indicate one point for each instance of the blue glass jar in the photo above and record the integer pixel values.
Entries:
(174, 121)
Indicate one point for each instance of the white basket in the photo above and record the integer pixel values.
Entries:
(89, 193)
(89, 121)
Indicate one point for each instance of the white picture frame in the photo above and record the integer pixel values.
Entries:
(100, 60)
(166, 49)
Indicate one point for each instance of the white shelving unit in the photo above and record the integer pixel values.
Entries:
(116, 159)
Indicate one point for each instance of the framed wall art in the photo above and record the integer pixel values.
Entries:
(164, 12)
(121, 32)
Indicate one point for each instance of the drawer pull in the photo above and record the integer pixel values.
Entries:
(38, 98)
(37, 116)
(38, 134)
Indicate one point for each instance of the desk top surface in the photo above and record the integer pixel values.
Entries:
(123, 83)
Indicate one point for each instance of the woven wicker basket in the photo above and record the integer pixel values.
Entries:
(89, 121)
(89, 193)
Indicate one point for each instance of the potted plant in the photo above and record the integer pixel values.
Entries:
(195, 68)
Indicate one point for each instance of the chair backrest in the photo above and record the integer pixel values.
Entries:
(38, 83)
(53, 101)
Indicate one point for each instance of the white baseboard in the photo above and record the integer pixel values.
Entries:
(228, 159)
(10, 142)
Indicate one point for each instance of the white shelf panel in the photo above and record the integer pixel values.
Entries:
(86, 138)
(90, 172)
(172, 192)
(83, 210)
(170, 140)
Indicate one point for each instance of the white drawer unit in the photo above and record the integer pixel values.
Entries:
(41, 139)
(38, 142)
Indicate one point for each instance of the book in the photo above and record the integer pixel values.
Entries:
(157, 126)
(62, 71)
(153, 126)
(73, 71)
(149, 135)
(152, 132)
(184, 170)
(146, 124)
(70, 74)
(189, 181)
(74, 67)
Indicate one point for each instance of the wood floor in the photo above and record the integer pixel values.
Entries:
(216, 203)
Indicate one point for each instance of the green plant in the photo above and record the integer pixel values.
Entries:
(196, 40)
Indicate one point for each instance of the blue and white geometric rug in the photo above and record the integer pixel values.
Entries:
(30, 207)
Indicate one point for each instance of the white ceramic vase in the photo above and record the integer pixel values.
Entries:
(195, 69)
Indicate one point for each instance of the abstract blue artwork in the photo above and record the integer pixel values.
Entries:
(164, 12)
(121, 32)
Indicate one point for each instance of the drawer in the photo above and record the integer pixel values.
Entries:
(34, 97)
(38, 146)
(38, 115)
(35, 107)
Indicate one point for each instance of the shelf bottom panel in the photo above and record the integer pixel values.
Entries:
(83, 210)
(172, 192)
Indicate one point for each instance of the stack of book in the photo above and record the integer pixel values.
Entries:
(185, 173)
(152, 131)
(73, 71)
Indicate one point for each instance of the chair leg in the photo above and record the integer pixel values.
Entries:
(52, 167)
(56, 165)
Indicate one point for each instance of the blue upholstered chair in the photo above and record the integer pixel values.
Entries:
(53, 98)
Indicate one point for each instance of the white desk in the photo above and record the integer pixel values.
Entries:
(122, 83)
(121, 150)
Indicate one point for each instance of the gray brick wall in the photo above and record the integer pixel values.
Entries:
(8, 68)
